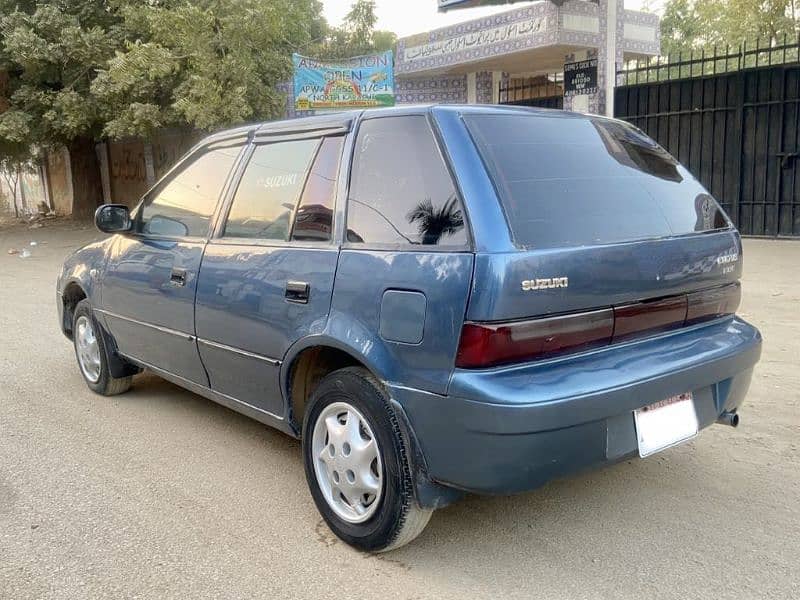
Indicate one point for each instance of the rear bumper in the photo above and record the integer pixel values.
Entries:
(512, 429)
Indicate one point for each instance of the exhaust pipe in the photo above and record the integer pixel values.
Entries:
(729, 418)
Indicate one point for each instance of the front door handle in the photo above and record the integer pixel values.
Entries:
(178, 277)
(297, 291)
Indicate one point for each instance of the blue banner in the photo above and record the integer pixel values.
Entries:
(359, 82)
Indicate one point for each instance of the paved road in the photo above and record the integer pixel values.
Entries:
(162, 494)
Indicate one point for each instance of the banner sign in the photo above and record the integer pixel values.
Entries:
(476, 39)
(580, 78)
(359, 82)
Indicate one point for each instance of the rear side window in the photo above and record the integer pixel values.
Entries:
(182, 207)
(583, 180)
(313, 221)
(401, 192)
(269, 189)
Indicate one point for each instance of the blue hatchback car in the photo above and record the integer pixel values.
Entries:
(437, 300)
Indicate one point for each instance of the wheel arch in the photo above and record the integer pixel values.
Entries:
(307, 362)
(312, 359)
(74, 291)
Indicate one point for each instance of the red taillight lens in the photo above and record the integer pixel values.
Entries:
(631, 320)
(488, 344)
(713, 303)
(491, 344)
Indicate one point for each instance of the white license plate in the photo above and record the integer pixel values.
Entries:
(665, 423)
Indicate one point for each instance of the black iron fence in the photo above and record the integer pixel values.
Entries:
(546, 91)
(712, 61)
(733, 119)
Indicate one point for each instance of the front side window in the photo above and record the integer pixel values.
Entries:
(183, 206)
(400, 190)
(269, 189)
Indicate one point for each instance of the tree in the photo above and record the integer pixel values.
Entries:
(206, 63)
(51, 52)
(693, 24)
(357, 34)
(10, 171)
(81, 70)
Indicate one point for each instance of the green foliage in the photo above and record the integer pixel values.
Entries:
(357, 34)
(14, 135)
(695, 24)
(52, 51)
(88, 69)
(95, 68)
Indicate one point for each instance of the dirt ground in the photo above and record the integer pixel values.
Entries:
(162, 494)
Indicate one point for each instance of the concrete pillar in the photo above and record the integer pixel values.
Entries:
(498, 77)
(44, 177)
(149, 167)
(105, 175)
(609, 54)
(472, 89)
(69, 191)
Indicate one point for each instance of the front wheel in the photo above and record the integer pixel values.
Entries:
(90, 351)
(356, 463)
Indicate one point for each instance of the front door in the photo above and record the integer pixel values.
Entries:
(267, 277)
(150, 280)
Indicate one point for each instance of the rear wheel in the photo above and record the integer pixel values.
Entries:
(356, 463)
(90, 351)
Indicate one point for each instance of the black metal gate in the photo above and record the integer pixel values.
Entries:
(733, 120)
(543, 102)
(545, 91)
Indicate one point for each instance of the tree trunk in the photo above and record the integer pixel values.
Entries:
(13, 187)
(21, 189)
(14, 199)
(87, 188)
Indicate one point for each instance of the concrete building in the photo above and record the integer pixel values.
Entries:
(553, 53)
(519, 56)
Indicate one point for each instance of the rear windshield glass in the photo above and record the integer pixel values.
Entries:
(569, 181)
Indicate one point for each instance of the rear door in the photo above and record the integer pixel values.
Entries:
(267, 275)
(406, 264)
(150, 279)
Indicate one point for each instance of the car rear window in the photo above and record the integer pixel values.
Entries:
(571, 181)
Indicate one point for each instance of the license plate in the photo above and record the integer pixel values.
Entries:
(665, 424)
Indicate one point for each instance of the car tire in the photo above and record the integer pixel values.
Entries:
(393, 518)
(90, 350)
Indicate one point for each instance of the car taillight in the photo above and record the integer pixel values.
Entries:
(713, 303)
(491, 344)
(631, 320)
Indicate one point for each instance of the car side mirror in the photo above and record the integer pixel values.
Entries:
(113, 218)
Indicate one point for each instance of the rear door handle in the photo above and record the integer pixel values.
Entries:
(297, 291)
(178, 277)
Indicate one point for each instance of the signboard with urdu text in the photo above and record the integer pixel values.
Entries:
(359, 82)
(447, 4)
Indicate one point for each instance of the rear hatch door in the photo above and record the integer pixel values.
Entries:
(601, 216)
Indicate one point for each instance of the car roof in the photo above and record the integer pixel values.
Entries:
(344, 119)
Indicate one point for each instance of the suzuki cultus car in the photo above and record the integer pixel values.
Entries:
(437, 300)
